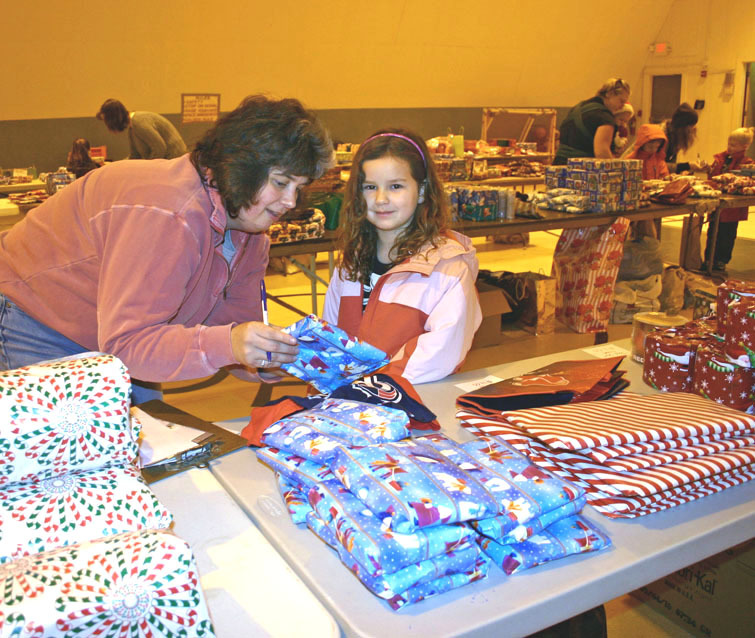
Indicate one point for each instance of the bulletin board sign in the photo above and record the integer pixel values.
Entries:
(200, 107)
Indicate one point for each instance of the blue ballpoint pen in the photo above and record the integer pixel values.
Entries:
(263, 297)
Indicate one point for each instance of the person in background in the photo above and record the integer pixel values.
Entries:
(79, 161)
(681, 133)
(650, 147)
(624, 117)
(589, 128)
(150, 135)
(724, 162)
(405, 282)
(160, 263)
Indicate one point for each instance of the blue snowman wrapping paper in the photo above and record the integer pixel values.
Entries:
(328, 357)
(376, 547)
(410, 484)
(572, 535)
(414, 582)
(315, 433)
(293, 467)
(530, 497)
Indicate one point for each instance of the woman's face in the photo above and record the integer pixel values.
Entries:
(614, 101)
(276, 197)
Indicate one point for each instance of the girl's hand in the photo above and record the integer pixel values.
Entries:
(259, 346)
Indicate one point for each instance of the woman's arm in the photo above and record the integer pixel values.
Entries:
(602, 141)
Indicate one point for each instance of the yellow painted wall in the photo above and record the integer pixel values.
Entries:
(721, 37)
(62, 59)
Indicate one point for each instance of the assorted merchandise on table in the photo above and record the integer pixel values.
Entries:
(84, 543)
(307, 224)
(732, 184)
(28, 198)
(588, 185)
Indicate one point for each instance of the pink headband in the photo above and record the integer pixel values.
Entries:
(403, 137)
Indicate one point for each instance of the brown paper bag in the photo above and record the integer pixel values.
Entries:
(539, 305)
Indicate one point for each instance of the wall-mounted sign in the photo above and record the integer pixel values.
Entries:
(200, 107)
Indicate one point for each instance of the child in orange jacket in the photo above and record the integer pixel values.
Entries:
(650, 147)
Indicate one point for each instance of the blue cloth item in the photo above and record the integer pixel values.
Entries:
(530, 497)
(572, 535)
(293, 467)
(388, 586)
(25, 341)
(410, 484)
(314, 434)
(378, 549)
(295, 497)
(328, 357)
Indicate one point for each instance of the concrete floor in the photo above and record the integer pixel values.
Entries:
(220, 398)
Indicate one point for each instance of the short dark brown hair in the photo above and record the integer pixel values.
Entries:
(114, 114)
(257, 136)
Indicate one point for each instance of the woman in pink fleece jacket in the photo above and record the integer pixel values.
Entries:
(159, 262)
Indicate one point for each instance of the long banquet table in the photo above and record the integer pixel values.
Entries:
(643, 550)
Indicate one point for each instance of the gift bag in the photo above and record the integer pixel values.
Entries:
(689, 250)
(538, 308)
(585, 265)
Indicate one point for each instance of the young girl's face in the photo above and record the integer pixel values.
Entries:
(652, 147)
(390, 193)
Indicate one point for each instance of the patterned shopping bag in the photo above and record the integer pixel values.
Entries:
(585, 264)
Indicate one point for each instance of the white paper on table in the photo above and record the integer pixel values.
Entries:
(162, 440)
(478, 383)
(606, 351)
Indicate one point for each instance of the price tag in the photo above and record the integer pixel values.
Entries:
(606, 350)
(478, 383)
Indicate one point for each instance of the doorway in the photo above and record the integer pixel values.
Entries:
(665, 96)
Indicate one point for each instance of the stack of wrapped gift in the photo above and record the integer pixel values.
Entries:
(607, 184)
(633, 455)
(712, 358)
(412, 518)
(84, 546)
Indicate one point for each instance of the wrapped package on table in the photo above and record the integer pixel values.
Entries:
(328, 357)
(134, 584)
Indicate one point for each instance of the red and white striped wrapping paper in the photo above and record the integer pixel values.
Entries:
(631, 419)
(627, 493)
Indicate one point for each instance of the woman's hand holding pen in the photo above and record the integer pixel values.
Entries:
(257, 345)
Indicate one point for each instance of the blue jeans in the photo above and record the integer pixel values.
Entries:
(24, 341)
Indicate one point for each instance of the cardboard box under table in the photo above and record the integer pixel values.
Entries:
(711, 598)
(493, 304)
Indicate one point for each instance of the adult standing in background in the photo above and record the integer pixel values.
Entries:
(588, 129)
(160, 263)
(150, 135)
(681, 132)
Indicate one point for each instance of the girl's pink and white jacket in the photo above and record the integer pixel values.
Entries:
(423, 312)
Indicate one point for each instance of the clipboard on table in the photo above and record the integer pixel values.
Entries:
(216, 442)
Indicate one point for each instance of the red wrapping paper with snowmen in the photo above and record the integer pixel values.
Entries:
(718, 378)
(670, 359)
(728, 292)
(585, 264)
(740, 324)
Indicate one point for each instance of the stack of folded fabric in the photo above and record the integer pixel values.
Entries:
(410, 517)
(84, 545)
(633, 455)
